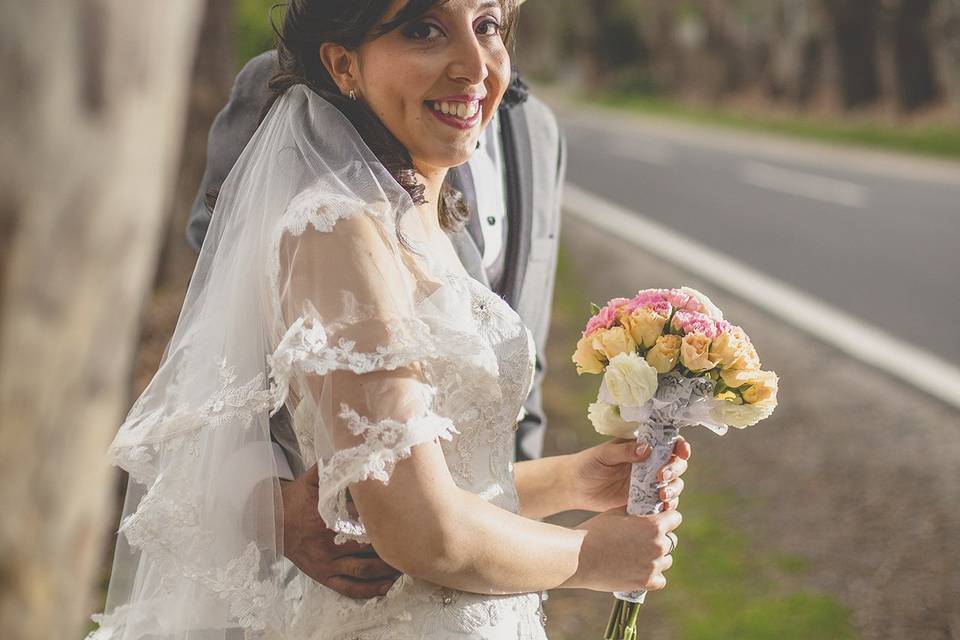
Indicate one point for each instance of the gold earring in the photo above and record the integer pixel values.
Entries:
(353, 94)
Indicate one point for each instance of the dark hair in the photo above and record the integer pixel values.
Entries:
(309, 23)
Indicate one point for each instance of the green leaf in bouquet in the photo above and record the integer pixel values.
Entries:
(594, 309)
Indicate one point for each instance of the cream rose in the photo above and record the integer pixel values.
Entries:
(613, 341)
(644, 325)
(586, 357)
(741, 416)
(695, 352)
(606, 419)
(664, 355)
(736, 378)
(629, 381)
(709, 308)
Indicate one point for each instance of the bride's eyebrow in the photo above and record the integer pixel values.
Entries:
(486, 4)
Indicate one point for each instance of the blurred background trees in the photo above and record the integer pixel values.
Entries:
(901, 56)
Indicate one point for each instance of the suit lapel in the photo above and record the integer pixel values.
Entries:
(518, 161)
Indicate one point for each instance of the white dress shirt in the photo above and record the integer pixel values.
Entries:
(490, 187)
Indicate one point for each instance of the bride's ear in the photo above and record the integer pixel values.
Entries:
(341, 64)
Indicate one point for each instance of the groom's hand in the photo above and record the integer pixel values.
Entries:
(352, 569)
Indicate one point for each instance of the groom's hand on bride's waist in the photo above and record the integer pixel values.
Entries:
(352, 569)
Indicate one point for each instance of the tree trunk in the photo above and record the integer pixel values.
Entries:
(916, 77)
(725, 72)
(214, 68)
(855, 26)
(90, 117)
(795, 69)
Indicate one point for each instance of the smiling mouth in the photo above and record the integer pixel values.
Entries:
(460, 115)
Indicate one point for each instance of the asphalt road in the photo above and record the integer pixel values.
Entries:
(875, 235)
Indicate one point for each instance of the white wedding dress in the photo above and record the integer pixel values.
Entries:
(317, 289)
(476, 361)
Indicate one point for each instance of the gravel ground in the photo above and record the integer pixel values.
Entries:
(855, 473)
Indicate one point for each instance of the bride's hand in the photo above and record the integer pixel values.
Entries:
(621, 552)
(601, 474)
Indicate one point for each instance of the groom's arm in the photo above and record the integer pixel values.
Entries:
(530, 429)
(229, 134)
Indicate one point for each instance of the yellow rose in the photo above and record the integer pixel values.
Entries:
(729, 396)
(763, 384)
(695, 352)
(586, 357)
(613, 341)
(606, 420)
(664, 355)
(746, 360)
(644, 326)
(729, 347)
(629, 381)
(736, 374)
(761, 388)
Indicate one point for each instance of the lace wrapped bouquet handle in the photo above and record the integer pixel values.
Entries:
(668, 360)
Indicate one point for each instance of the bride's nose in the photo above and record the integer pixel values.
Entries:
(468, 62)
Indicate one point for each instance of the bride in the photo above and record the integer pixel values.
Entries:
(328, 287)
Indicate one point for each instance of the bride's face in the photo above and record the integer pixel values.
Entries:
(452, 57)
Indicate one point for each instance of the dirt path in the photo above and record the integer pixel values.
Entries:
(838, 517)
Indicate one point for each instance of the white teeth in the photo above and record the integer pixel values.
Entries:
(462, 110)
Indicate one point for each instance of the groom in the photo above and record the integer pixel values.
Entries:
(512, 186)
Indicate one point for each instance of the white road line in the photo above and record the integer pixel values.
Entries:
(797, 183)
(848, 334)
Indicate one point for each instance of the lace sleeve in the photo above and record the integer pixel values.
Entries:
(351, 347)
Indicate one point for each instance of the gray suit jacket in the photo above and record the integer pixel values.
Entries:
(535, 164)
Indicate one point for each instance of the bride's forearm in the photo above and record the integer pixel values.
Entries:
(544, 486)
(494, 551)
(423, 524)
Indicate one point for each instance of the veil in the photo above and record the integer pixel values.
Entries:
(199, 552)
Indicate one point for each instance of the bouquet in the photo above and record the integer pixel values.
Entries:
(668, 360)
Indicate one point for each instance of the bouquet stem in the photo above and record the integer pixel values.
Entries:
(622, 624)
(643, 500)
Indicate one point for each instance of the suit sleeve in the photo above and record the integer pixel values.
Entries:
(229, 134)
(531, 428)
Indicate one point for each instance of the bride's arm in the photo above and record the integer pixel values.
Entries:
(423, 524)
(545, 486)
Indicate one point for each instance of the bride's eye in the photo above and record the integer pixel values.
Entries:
(420, 30)
(487, 24)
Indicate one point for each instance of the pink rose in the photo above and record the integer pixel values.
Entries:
(662, 308)
(694, 322)
(648, 297)
(604, 319)
(684, 301)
